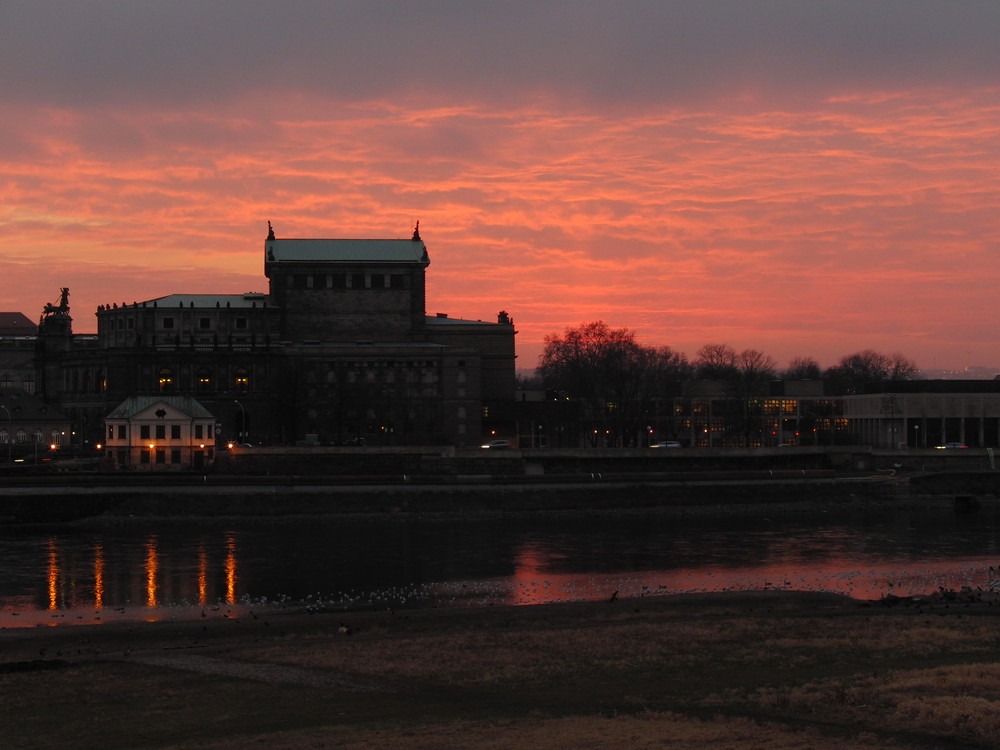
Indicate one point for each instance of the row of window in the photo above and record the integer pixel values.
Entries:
(169, 322)
(201, 324)
(159, 456)
(347, 281)
(27, 382)
(157, 432)
(21, 436)
(204, 380)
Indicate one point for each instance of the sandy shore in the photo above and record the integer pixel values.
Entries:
(782, 669)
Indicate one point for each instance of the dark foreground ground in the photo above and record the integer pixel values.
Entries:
(769, 670)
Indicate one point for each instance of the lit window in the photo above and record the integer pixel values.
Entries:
(166, 380)
(204, 380)
(242, 380)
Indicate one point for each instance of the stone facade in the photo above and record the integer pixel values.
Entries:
(338, 350)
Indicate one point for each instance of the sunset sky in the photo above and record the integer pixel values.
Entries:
(807, 178)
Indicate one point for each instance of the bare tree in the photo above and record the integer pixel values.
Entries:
(715, 362)
(614, 378)
(853, 371)
(803, 368)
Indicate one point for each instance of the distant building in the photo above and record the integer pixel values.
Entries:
(338, 349)
(17, 351)
(160, 433)
(29, 427)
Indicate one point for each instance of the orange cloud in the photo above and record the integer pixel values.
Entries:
(858, 221)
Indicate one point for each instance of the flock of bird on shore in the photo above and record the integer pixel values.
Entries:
(537, 586)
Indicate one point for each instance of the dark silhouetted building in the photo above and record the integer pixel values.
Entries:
(338, 350)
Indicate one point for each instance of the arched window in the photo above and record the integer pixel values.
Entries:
(4, 436)
(204, 379)
(166, 381)
(21, 437)
(38, 436)
(5, 380)
(241, 381)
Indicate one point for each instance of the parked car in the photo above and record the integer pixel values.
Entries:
(951, 445)
(666, 444)
(496, 445)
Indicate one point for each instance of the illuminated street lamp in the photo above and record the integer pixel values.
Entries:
(152, 448)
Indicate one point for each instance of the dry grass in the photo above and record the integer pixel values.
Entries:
(774, 671)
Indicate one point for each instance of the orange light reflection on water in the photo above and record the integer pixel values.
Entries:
(98, 576)
(152, 569)
(53, 573)
(230, 570)
(202, 575)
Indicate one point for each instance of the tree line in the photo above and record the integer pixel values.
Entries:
(617, 381)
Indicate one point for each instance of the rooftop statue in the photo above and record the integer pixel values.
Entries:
(63, 305)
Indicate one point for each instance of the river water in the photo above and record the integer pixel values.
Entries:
(155, 570)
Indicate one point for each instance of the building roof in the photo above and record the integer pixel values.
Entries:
(250, 299)
(16, 405)
(16, 324)
(442, 320)
(341, 251)
(136, 404)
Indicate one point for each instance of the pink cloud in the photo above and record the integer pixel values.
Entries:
(864, 221)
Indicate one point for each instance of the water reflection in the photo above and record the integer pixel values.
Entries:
(230, 570)
(157, 572)
(98, 576)
(53, 573)
(152, 567)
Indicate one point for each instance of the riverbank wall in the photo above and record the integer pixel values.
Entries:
(249, 483)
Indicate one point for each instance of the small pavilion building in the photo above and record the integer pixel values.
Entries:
(160, 433)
